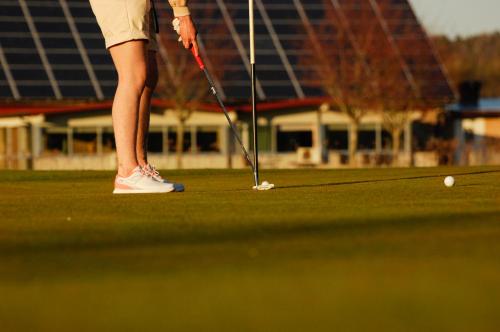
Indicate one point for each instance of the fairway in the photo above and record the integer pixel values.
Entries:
(327, 250)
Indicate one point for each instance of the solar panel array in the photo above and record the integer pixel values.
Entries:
(53, 49)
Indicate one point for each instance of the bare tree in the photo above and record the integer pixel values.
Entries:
(395, 100)
(359, 66)
(181, 82)
(343, 71)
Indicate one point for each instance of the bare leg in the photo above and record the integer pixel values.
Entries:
(130, 62)
(145, 108)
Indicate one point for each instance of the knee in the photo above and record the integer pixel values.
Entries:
(133, 80)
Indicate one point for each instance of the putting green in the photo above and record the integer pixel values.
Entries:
(346, 250)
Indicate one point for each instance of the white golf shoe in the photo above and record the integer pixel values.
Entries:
(152, 172)
(140, 183)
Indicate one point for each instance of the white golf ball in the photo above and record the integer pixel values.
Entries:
(265, 183)
(449, 181)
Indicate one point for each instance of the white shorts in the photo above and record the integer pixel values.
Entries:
(125, 20)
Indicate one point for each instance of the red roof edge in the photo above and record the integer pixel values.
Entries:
(286, 104)
(12, 109)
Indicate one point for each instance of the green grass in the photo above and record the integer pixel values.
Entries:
(340, 250)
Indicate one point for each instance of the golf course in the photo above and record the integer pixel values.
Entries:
(326, 250)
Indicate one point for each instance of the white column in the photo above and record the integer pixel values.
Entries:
(69, 132)
(22, 145)
(35, 143)
(479, 145)
(194, 142)
(274, 139)
(8, 147)
(321, 135)
(229, 149)
(164, 133)
(378, 138)
(99, 140)
(223, 139)
(246, 136)
(2, 148)
(459, 133)
(349, 130)
(36, 140)
(408, 141)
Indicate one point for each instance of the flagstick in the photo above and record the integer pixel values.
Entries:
(254, 98)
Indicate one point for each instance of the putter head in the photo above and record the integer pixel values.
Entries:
(264, 186)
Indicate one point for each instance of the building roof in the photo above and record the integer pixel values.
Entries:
(486, 107)
(53, 49)
(53, 108)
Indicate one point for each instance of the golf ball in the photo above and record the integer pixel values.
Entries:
(265, 183)
(449, 181)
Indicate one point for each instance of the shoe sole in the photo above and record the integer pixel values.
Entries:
(138, 191)
(178, 188)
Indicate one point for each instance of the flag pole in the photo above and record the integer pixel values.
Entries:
(254, 97)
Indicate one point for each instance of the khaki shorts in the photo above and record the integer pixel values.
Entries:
(125, 20)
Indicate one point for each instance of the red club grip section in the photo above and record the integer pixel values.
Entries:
(198, 59)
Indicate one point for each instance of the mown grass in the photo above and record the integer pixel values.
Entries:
(371, 250)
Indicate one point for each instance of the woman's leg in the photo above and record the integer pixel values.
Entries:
(145, 108)
(130, 60)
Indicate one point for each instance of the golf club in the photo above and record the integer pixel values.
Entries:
(202, 66)
(253, 164)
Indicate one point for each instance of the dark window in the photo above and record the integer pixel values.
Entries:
(56, 143)
(108, 142)
(155, 142)
(85, 143)
(207, 142)
(172, 141)
(366, 140)
(291, 140)
(337, 139)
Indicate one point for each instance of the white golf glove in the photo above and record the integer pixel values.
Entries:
(176, 25)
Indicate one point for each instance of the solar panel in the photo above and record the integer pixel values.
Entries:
(54, 49)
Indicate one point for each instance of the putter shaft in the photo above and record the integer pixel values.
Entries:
(202, 66)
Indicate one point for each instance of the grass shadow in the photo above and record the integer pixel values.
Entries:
(332, 184)
(70, 241)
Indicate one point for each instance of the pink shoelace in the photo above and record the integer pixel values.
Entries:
(143, 171)
(151, 171)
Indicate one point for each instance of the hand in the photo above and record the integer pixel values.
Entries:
(188, 33)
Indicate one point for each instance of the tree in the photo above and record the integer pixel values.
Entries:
(344, 72)
(472, 58)
(181, 82)
(396, 99)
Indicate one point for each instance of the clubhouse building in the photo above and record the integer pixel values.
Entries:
(57, 83)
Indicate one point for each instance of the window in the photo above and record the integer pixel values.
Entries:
(172, 141)
(207, 141)
(337, 139)
(85, 143)
(366, 140)
(155, 142)
(56, 143)
(289, 141)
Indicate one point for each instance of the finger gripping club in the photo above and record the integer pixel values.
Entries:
(198, 59)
